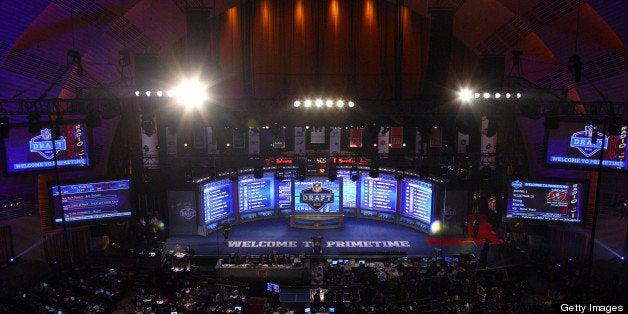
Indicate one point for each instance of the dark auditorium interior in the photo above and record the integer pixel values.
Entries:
(313, 156)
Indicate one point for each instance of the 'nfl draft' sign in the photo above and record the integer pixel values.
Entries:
(317, 196)
(42, 144)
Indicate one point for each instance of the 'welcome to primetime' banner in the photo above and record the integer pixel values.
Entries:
(327, 244)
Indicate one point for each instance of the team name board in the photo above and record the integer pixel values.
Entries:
(328, 244)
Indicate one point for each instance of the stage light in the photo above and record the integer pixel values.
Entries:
(147, 93)
(374, 172)
(160, 93)
(308, 103)
(351, 104)
(329, 103)
(518, 95)
(508, 95)
(137, 93)
(258, 172)
(354, 173)
(486, 95)
(319, 103)
(34, 123)
(332, 173)
(465, 95)
(4, 127)
(399, 174)
(498, 95)
(436, 227)
(476, 95)
(191, 93)
(297, 104)
(340, 103)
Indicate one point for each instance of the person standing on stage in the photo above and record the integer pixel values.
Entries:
(476, 227)
(226, 229)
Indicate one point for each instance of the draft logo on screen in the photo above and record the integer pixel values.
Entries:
(317, 196)
(42, 144)
(186, 211)
(583, 141)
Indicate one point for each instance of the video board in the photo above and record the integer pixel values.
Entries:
(28, 152)
(217, 200)
(417, 199)
(256, 194)
(378, 193)
(546, 200)
(349, 189)
(576, 144)
(317, 196)
(91, 201)
(284, 189)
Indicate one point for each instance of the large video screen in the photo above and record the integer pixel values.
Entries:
(28, 152)
(256, 194)
(312, 195)
(217, 200)
(91, 201)
(349, 189)
(284, 189)
(417, 199)
(572, 145)
(378, 193)
(546, 200)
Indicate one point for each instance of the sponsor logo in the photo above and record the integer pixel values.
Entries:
(317, 196)
(583, 141)
(42, 144)
(557, 196)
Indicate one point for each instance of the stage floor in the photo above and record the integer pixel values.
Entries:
(358, 237)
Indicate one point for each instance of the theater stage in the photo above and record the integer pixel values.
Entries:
(358, 237)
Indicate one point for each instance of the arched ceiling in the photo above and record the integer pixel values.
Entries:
(36, 36)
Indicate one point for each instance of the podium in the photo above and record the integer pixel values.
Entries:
(317, 244)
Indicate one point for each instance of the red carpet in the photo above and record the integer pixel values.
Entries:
(485, 231)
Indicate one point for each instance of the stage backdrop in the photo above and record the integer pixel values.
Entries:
(182, 212)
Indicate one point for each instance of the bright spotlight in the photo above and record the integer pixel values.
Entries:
(340, 103)
(319, 103)
(170, 93)
(148, 93)
(508, 95)
(476, 95)
(308, 103)
(518, 95)
(297, 104)
(160, 93)
(465, 95)
(436, 227)
(329, 103)
(487, 95)
(191, 93)
(351, 104)
(137, 93)
(498, 95)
